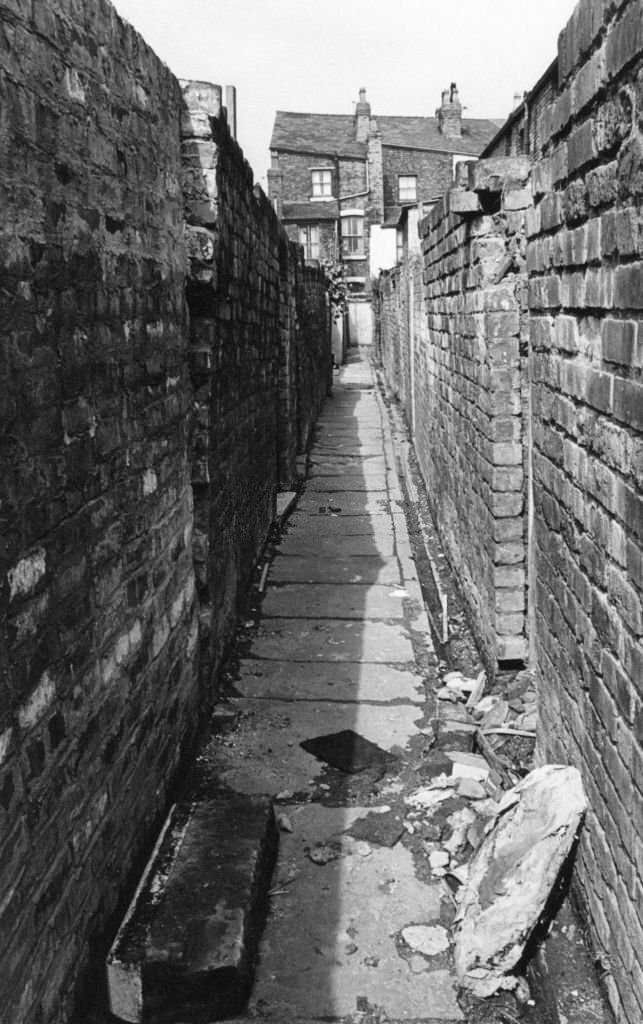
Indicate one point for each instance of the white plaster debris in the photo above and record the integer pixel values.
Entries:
(26, 573)
(40, 700)
(426, 939)
(5, 743)
(512, 873)
(469, 766)
(150, 482)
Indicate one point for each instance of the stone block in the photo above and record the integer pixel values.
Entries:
(497, 174)
(188, 941)
(463, 202)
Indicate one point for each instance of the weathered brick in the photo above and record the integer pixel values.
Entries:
(618, 341)
(581, 149)
(628, 286)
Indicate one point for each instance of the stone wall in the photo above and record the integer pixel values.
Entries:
(140, 457)
(586, 301)
(462, 387)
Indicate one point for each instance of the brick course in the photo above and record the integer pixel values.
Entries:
(140, 458)
(587, 424)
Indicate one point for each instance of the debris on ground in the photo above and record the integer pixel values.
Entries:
(512, 875)
(382, 828)
(348, 751)
(426, 939)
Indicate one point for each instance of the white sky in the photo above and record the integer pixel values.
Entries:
(314, 55)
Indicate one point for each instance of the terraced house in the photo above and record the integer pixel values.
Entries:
(341, 183)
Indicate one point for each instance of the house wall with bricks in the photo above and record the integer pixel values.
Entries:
(586, 338)
(128, 441)
(577, 412)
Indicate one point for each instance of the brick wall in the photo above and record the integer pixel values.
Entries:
(434, 172)
(139, 456)
(586, 299)
(577, 414)
(260, 356)
(296, 182)
(467, 394)
(97, 608)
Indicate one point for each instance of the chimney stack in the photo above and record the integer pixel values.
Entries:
(362, 117)
(449, 114)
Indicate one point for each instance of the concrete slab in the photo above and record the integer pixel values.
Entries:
(347, 447)
(352, 503)
(346, 482)
(375, 466)
(333, 601)
(314, 524)
(346, 682)
(331, 640)
(353, 545)
(300, 569)
(346, 948)
(264, 756)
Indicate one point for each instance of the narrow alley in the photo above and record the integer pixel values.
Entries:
(336, 802)
(343, 644)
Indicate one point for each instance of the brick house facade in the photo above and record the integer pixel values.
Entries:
(340, 182)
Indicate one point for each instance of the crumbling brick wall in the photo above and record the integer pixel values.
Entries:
(586, 302)
(469, 370)
(97, 603)
(125, 433)
(260, 355)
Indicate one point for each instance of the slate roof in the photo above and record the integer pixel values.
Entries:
(310, 211)
(424, 133)
(316, 133)
(327, 134)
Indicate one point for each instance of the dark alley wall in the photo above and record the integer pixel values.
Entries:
(577, 412)
(586, 303)
(461, 382)
(98, 614)
(125, 433)
(260, 359)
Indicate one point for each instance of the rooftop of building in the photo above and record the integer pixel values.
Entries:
(335, 134)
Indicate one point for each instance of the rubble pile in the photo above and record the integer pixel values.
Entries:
(504, 723)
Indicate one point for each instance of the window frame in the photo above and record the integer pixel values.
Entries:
(310, 243)
(407, 177)
(319, 176)
(356, 238)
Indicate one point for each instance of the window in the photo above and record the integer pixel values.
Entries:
(309, 238)
(322, 182)
(353, 236)
(407, 188)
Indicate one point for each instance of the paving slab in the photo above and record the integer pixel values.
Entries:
(351, 503)
(313, 524)
(347, 946)
(344, 569)
(334, 545)
(343, 682)
(300, 639)
(344, 482)
(375, 466)
(264, 756)
(334, 601)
